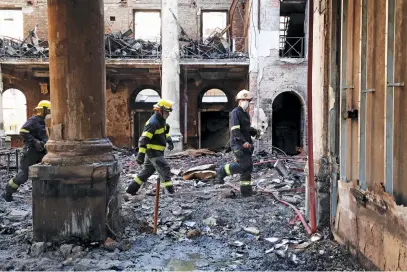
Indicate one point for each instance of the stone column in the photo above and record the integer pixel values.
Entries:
(74, 187)
(1, 105)
(170, 66)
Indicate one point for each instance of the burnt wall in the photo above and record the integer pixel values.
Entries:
(31, 90)
(38, 16)
(118, 116)
(195, 92)
(119, 16)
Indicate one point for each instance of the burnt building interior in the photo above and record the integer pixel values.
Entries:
(287, 123)
(142, 103)
(292, 29)
(213, 119)
(211, 92)
(212, 58)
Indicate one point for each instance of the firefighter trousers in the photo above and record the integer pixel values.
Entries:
(30, 156)
(158, 164)
(242, 166)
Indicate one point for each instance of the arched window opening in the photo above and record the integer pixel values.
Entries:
(287, 123)
(143, 107)
(147, 96)
(14, 111)
(214, 96)
(213, 120)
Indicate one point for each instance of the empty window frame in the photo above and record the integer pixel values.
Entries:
(11, 23)
(292, 32)
(147, 25)
(213, 21)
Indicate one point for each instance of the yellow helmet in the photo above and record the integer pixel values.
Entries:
(163, 104)
(44, 104)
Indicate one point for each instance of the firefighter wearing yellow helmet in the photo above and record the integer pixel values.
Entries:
(35, 136)
(241, 144)
(152, 144)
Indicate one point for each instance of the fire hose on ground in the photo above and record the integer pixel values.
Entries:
(300, 216)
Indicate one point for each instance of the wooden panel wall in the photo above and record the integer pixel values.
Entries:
(400, 104)
(355, 62)
(351, 86)
(373, 57)
(376, 79)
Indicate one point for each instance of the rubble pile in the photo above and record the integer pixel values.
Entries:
(123, 45)
(212, 48)
(203, 226)
(117, 45)
(20, 49)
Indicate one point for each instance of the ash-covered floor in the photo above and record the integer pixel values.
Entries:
(202, 227)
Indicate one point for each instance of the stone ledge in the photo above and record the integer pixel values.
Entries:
(96, 171)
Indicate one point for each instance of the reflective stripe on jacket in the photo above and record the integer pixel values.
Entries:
(240, 128)
(153, 139)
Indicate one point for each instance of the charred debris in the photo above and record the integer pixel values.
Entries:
(123, 45)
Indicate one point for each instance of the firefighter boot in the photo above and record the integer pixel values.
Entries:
(133, 188)
(220, 175)
(169, 190)
(8, 193)
(168, 187)
(246, 189)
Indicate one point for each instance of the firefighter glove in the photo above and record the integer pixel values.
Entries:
(258, 134)
(170, 143)
(39, 145)
(140, 158)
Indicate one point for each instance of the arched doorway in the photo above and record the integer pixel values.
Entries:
(142, 105)
(213, 117)
(14, 110)
(287, 122)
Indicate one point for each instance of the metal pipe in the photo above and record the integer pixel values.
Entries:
(157, 202)
(1, 108)
(311, 178)
(263, 162)
(185, 106)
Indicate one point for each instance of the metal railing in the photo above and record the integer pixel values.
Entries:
(216, 48)
(123, 45)
(292, 47)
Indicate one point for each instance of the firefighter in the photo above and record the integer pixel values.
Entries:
(241, 144)
(35, 137)
(152, 144)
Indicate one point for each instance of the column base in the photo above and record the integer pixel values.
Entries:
(75, 201)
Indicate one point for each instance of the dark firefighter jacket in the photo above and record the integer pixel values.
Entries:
(154, 138)
(34, 128)
(240, 127)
